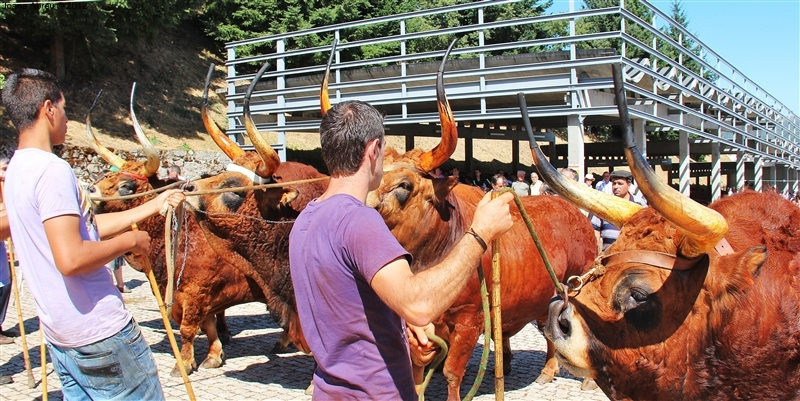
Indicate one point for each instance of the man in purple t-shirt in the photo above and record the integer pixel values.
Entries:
(352, 280)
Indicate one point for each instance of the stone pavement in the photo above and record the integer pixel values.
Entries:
(249, 373)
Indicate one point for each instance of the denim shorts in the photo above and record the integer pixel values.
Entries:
(117, 368)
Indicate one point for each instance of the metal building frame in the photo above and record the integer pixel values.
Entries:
(567, 87)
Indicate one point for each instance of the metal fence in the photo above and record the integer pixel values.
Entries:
(699, 93)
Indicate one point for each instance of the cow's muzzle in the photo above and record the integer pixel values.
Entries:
(559, 325)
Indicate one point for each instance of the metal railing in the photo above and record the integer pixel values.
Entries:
(718, 102)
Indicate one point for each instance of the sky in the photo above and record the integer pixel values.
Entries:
(760, 38)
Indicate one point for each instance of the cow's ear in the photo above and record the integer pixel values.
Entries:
(735, 273)
(289, 194)
(443, 186)
(752, 261)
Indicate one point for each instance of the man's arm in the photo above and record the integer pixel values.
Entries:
(419, 298)
(73, 255)
(111, 224)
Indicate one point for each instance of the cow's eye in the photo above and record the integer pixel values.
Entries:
(403, 192)
(638, 295)
(126, 189)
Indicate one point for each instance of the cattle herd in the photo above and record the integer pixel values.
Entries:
(691, 302)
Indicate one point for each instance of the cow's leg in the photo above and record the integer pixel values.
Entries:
(550, 365)
(507, 355)
(223, 332)
(215, 353)
(282, 344)
(188, 328)
(462, 344)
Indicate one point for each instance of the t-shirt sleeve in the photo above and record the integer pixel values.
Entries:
(596, 222)
(56, 192)
(370, 243)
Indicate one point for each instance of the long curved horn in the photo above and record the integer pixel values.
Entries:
(101, 150)
(324, 99)
(270, 159)
(608, 207)
(438, 155)
(703, 227)
(153, 161)
(229, 147)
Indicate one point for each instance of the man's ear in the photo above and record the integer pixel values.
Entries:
(47, 109)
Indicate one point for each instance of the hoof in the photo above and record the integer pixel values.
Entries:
(588, 384)
(278, 349)
(544, 378)
(176, 371)
(310, 389)
(211, 363)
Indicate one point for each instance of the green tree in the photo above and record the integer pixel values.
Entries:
(610, 23)
(231, 20)
(76, 36)
(679, 15)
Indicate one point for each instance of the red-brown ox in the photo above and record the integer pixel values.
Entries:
(672, 312)
(429, 215)
(250, 228)
(204, 284)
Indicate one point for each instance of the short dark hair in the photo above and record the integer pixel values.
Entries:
(345, 131)
(25, 92)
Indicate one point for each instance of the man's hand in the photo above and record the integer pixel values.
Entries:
(172, 197)
(422, 349)
(492, 217)
(141, 242)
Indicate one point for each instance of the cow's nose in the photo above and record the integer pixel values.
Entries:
(564, 323)
(189, 187)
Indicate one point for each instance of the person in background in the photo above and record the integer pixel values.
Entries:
(589, 180)
(498, 182)
(604, 182)
(520, 186)
(478, 180)
(536, 184)
(605, 232)
(5, 271)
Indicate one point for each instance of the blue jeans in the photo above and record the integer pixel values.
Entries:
(119, 367)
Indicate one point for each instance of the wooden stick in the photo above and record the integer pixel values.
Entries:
(14, 283)
(154, 285)
(497, 335)
(43, 352)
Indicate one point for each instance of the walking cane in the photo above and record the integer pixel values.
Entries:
(499, 376)
(152, 278)
(11, 263)
(43, 352)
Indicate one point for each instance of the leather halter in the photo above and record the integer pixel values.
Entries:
(134, 175)
(257, 179)
(660, 260)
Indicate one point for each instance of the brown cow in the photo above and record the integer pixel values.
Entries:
(429, 215)
(204, 284)
(250, 229)
(691, 302)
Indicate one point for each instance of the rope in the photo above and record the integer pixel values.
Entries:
(487, 330)
(438, 360)
(209, 191)
(150, 192)
(538, 243)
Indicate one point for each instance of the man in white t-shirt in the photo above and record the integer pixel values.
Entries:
(96, 347)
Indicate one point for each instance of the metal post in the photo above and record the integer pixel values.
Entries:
(758, 173)
(684, 174)
(281, 84)
(716, 165)
(740, 170)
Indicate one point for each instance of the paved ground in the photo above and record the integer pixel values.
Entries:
(248, 373)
